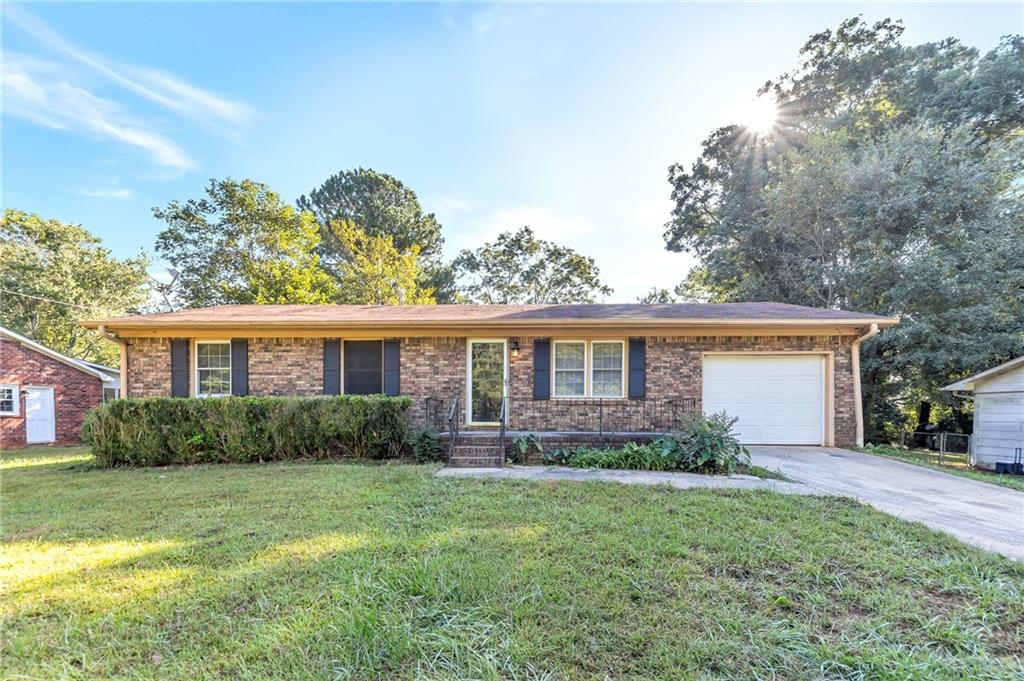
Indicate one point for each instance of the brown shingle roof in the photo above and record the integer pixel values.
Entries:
(443, 315)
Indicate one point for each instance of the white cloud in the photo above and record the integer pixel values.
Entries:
(152, 84)
(122, 194)
(37, 91)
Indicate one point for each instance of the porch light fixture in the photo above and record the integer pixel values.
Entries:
(515, 349)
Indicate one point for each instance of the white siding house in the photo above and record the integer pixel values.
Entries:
(998, 412)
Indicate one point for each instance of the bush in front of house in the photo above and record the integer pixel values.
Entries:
(702, 444)
(161, 431)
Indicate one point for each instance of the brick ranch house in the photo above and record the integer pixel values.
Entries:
(789, 373)
(44, 395)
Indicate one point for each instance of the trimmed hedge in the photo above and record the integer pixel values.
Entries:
(161, 431)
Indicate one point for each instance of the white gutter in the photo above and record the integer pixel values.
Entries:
(858, 403)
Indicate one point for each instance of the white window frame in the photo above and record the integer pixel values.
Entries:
(554, 369)
(195, 361)
(588, 369)
(16, 399)
(622, 369)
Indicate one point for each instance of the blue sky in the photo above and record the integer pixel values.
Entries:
(565, 117)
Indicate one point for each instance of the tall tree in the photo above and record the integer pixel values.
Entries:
(374, 272)
(520, 268)
(381, 205)
(891, 185)
(241, 244)
(54, 275)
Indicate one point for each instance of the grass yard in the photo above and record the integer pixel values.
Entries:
(957, 464)
(334, 570)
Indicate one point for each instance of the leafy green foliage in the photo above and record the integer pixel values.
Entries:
(709, 443)
(46, 260)
(523, 446)
(241, 244)
(890, 185)
(700, 445)
(424, 445)
(520, 268)
(374, 272)
(384, 208)
(162, 431)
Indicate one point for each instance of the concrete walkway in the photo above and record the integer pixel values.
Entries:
(978, 513)
(677, 480)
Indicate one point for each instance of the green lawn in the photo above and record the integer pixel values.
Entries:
(332, 570)
(957, 464)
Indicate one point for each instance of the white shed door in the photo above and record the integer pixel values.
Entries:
(778, 399)
(40, 423)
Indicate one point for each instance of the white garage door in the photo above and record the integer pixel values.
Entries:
(779, 399)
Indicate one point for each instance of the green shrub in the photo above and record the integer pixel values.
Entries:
(425, 445)
(701, 445)
(161, 431)
(708, 444)
(522, 446)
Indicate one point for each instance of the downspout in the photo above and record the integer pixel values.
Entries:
(122, 353)
(858, 404)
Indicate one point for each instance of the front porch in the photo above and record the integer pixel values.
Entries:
(556, 424)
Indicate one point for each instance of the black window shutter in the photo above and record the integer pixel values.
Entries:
(239, 367)
(332, 367)
(541, 369)
(179, 367)
(392, 367)
(637, 368)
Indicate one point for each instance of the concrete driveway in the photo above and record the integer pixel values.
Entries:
(987, 516)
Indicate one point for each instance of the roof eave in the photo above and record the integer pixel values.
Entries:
(135, 324)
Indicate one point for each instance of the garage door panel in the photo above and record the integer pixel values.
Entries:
(777, 399)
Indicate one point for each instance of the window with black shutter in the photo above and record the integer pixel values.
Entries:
(364, 367)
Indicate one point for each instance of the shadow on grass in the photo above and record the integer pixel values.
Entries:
(290, 569)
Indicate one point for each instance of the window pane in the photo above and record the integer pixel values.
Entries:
(213, 355)
(607, 355)
(364, 367)
(214, 381)
(606, 379)
(607, 383)
(7, 399)
(569, 383)
(569, 355)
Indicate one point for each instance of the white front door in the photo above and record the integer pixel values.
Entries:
(40, 421)
(778, 399)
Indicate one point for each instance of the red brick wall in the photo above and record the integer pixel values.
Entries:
(74, 392)
(149, 367)
(286, 366)
(436, 367)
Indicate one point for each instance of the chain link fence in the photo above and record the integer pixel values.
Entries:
(947, 449)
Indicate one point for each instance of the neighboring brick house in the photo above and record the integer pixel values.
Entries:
(789, 373)
(44, 395)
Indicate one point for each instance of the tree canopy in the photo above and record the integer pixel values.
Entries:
(520, 268)
(374, 272)
(54, 275)
(383, 206)
(891, 184)
(241, 244)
